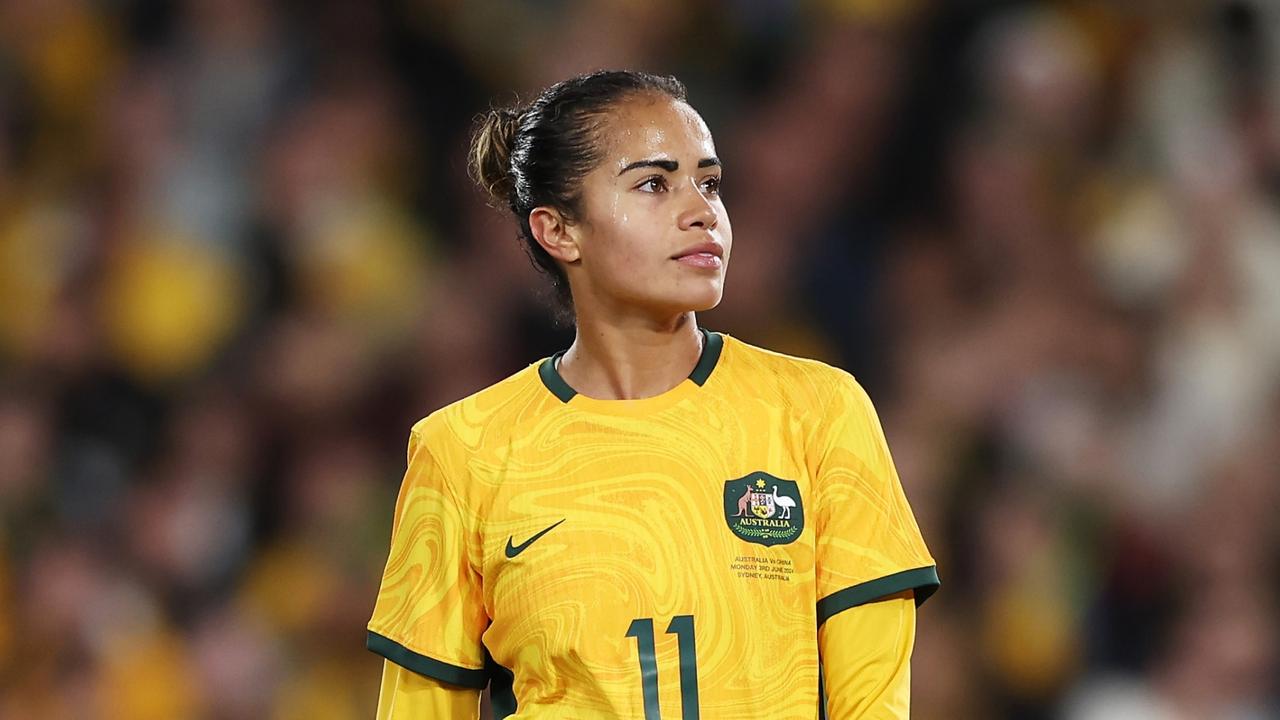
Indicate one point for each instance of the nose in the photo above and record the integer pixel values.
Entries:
(697, 211)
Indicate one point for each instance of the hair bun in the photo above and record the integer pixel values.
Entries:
(489, 161)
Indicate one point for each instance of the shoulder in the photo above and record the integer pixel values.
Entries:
(796, 381)
(467, 424)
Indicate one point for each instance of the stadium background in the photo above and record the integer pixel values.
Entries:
(239, 255)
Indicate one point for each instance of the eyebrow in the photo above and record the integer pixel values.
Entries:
(669, 165)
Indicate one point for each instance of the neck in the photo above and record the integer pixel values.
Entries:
(631, 360)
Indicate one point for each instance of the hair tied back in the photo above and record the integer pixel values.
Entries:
(490, 158)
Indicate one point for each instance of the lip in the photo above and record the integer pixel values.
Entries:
(709, 248)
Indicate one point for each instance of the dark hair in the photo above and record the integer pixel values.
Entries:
(537, 155)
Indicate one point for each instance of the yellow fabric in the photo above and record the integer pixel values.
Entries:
(406, 695)
(864, 522)
(647, 494)
(866, 660)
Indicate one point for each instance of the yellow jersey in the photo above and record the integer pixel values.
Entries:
(672, 556)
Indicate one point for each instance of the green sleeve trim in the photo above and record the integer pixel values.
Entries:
(551, 378)
(924, 581)
(423, 665)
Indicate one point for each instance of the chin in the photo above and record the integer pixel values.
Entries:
(682, 299)
(707, 304)
(701, 301)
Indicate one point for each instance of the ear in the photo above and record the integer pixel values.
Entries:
(554, 234)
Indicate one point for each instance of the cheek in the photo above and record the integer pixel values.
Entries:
(628, 238)
(634, 247)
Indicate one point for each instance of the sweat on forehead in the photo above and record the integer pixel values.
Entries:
(650, 126)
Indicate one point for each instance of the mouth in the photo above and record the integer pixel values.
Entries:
(703, 255)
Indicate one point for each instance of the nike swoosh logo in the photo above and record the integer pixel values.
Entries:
(514, 550)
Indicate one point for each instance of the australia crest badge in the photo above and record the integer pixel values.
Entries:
(764, 509)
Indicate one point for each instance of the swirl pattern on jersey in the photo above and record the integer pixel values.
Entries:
(644, 540)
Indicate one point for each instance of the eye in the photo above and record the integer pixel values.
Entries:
(655, 184)
(711, 185)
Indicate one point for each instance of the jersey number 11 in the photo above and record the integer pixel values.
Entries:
(682, 627)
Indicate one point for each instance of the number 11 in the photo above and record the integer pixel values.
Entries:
(682, 627)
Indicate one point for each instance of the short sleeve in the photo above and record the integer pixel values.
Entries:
(429, 615)
(868, 544)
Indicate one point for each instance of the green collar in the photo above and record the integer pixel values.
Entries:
(712, 344)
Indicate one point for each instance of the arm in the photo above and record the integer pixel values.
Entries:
(866, 659)
(429, 614)
(406, 695)
(873, 567)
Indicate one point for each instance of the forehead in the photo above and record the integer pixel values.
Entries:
(649, 126)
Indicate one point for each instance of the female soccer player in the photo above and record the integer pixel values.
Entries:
(660, 521)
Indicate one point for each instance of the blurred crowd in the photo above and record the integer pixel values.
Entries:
(239, 256)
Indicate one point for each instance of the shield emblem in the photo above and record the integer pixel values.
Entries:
(764, 509)
(762, 505)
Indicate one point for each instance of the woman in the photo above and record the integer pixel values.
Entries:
(660, 521)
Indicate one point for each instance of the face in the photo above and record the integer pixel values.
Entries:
(653, 234)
